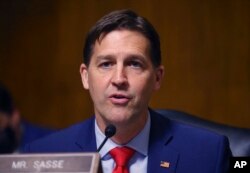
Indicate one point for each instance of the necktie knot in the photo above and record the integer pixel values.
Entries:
(121, 155)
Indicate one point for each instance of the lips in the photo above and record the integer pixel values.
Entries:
(119, 99)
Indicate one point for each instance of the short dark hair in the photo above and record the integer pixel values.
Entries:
(6, 101)
(123, 19)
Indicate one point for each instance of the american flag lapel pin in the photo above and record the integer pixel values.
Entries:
(164, 164)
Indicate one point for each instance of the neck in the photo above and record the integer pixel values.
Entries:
(125, 132)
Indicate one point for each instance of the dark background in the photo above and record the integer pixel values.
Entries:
(205, 49)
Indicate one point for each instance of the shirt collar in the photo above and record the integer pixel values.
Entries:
(138, 143)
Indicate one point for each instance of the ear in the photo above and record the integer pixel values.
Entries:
(159, 73)
(15, 119)
(84, 76)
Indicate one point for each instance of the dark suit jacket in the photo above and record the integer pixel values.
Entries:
(187, 149)
(31, 132)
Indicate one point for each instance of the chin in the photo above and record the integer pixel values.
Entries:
(119, 117)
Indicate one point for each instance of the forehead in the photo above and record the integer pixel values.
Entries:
(122, 41)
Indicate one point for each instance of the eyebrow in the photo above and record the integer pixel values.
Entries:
(101, 57)
(129, 56)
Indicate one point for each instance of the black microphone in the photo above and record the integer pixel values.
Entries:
(109, 132)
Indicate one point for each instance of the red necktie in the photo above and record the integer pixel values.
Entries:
(121, 155)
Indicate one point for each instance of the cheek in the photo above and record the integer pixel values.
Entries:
(97, 84)
(143, 86)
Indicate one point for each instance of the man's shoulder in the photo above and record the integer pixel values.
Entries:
(62, 139)
(32, 132)
(186, 133)
(188, 144)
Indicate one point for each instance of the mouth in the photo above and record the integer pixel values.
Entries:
(119, 99)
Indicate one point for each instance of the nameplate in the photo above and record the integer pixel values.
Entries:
(50, 163)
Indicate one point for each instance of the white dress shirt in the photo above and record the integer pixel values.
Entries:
(138, 162)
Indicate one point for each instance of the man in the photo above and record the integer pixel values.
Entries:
(14, 132)
(121, 69)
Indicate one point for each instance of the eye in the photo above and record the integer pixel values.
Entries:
(135, 64)
(106, 64)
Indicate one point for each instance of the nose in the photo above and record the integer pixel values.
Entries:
(119, 78)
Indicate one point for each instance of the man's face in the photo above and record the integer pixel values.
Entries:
(4, 120)
(8, 136)
(121, 78)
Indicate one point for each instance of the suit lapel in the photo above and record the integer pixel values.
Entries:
(85, 140)
(162, 157)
